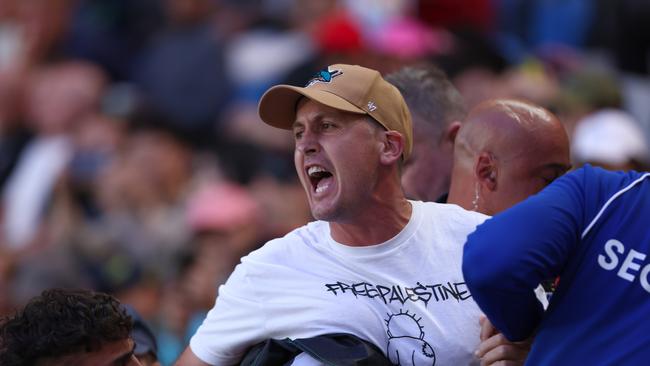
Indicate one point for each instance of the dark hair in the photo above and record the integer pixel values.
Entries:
(430, 96)
(61, 322)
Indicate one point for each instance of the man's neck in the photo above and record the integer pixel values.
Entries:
(380, 224)
(462, 190)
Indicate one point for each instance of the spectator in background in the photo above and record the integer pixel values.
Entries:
(505, 151)
(146, 347)
(97, 143)
(112, 33)
(59, 98)
(68, 327)
(224, 221)
(141, 195)
(611, 139)
(585, 89)
(437, 110)
(119, 218)
(183, 70)
(474, 66)
(31, 33)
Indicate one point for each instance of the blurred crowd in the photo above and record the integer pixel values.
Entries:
(132, 159)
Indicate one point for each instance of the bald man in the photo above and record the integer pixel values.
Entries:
(505, 151)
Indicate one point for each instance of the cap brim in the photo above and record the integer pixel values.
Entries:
(277, 106)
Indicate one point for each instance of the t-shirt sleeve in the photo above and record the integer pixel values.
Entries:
(235, 323)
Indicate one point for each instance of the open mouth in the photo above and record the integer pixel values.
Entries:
(319, 177)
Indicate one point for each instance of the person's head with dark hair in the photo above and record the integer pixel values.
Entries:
(68, 327)
(436, 109)
(146, 346)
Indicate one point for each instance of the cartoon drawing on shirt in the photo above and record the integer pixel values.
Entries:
(405, 333)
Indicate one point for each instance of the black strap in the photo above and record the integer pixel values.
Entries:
(336, 349)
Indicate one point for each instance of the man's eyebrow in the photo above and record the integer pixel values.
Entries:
(319, 117)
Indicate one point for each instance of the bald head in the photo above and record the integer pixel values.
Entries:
(506, 151)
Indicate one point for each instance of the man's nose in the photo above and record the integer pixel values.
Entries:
(308, 143)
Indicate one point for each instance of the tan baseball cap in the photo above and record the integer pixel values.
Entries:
(349, 88)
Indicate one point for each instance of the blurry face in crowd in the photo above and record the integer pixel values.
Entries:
(529, 171)
(188, 11)
(336, 157)
(117, 353)
(59, 97)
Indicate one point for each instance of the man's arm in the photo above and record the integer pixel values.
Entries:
(188, 358)
(495, 349)
(510, 254)
(507, 256)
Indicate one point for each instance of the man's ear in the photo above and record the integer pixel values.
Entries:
(451, 132)
(392, 147)
(486, 170)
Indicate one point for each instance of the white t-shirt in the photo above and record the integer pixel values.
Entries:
(407, 295)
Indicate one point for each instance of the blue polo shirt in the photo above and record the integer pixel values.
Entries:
(591, 227)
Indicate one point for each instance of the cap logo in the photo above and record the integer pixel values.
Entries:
(324, 76)
(371, 106)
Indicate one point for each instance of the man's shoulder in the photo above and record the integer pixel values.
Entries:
(601, 182)
(451, 213)
(595, 188)
(450, 221)
(295, 242)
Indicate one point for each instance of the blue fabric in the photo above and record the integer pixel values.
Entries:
(600, 313)
(561, 21)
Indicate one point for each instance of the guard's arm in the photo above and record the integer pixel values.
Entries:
(511, 253)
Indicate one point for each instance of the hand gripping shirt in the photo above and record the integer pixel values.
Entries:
(407, 295)
(592, 228)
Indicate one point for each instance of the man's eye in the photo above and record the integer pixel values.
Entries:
(297, 135)
(327, 126)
